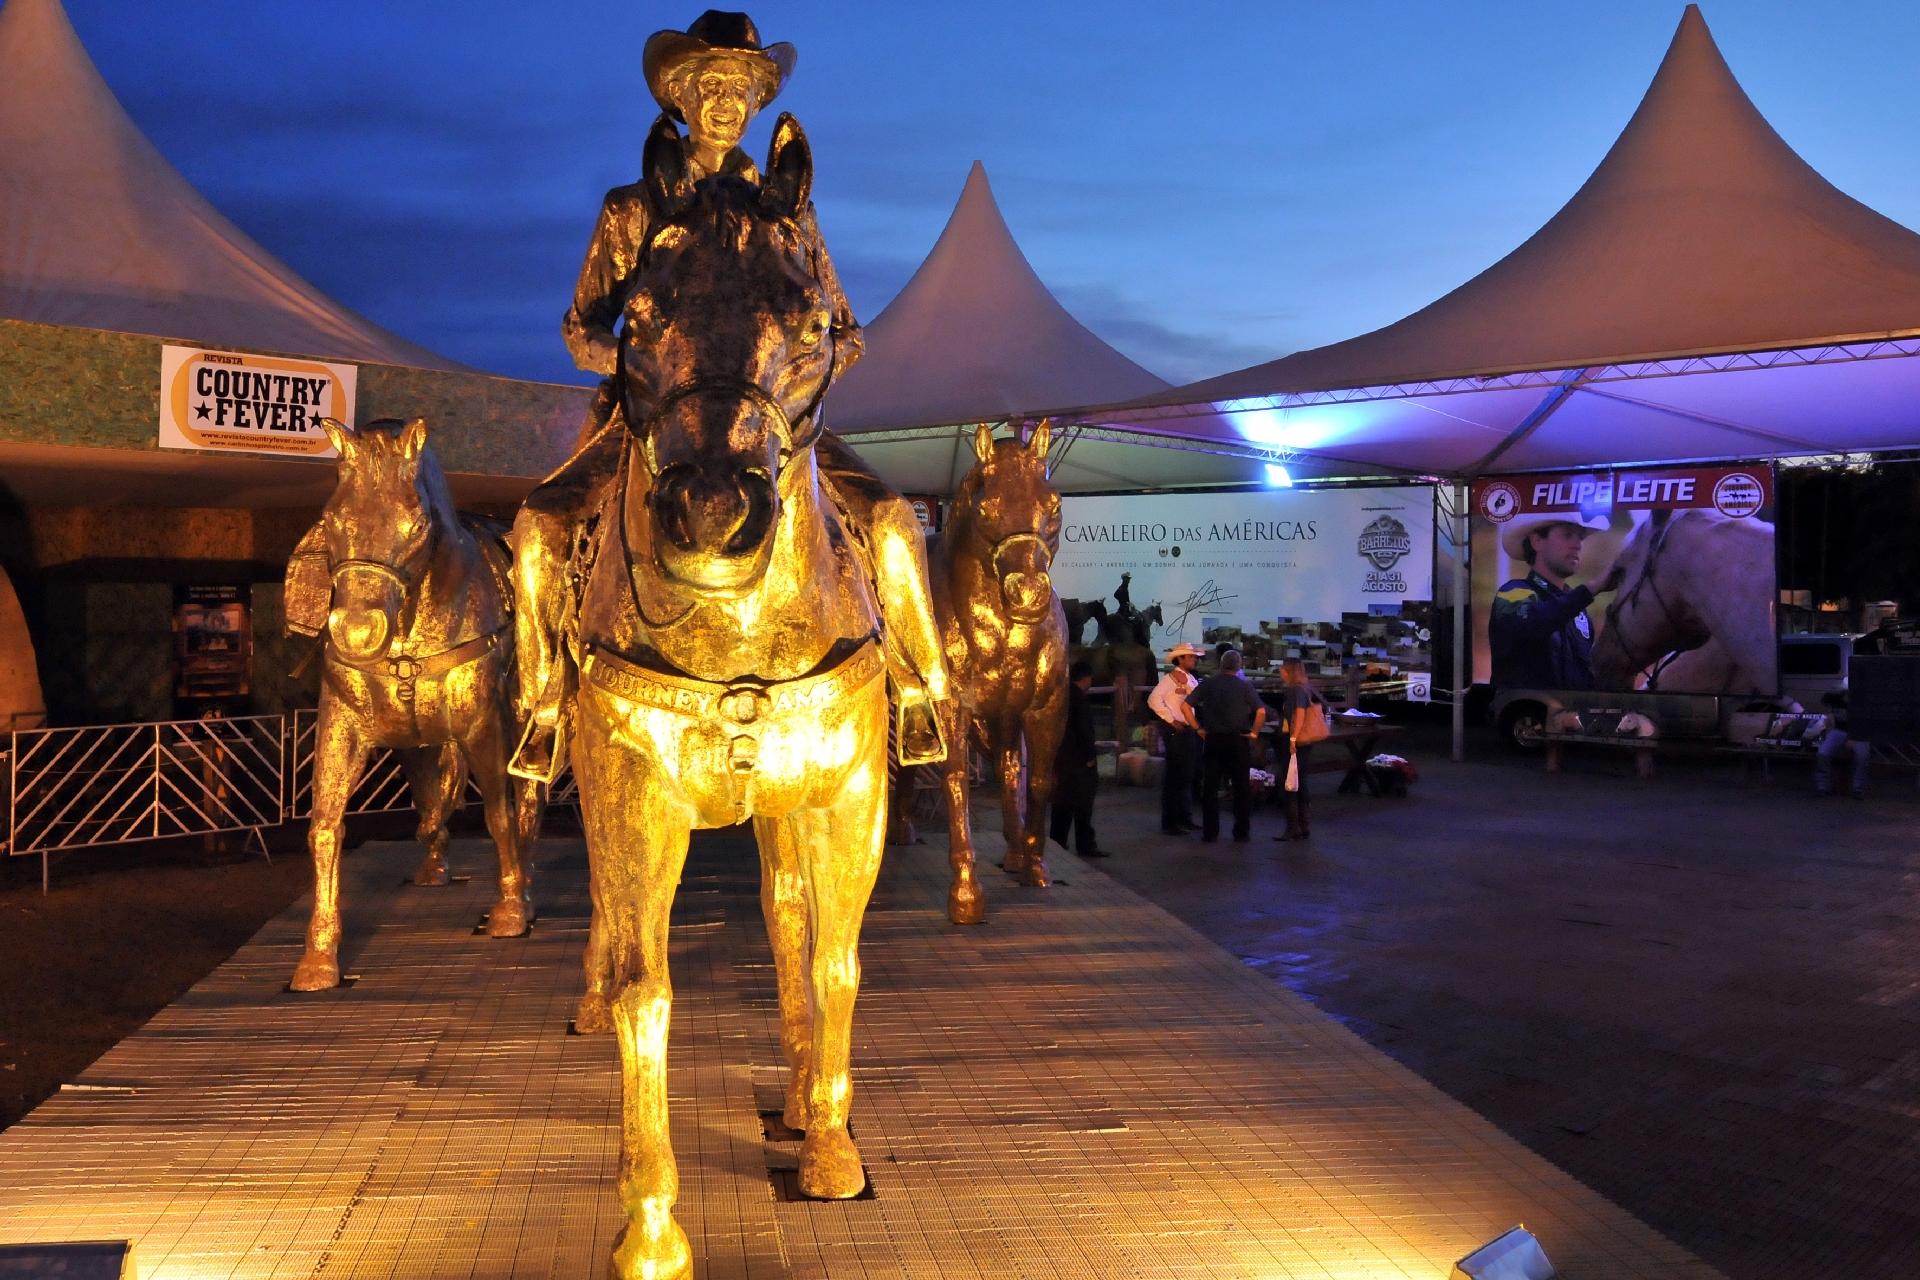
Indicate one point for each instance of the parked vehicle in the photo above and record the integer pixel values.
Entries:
(1810, 666)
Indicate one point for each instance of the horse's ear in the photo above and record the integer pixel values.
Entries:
(413, 438)
(663, 166)
(1042, 437)
(788, 184)
(338, 436)
(983, 443)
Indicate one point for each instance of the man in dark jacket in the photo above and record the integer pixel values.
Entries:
(1539, 634)
(1076, 774)
(1230, 715)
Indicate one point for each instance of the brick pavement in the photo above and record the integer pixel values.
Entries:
(1082, 1087)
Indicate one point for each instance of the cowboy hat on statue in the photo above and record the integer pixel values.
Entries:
(718, 41)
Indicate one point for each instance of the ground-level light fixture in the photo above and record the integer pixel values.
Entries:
(1512, 1255)
(72, 1260)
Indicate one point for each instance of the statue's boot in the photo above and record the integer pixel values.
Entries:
(546, 587)
(542, 751)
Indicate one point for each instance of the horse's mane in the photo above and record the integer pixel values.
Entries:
(429, 479)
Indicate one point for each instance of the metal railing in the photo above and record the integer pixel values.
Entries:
(112, 784)
(79, 788)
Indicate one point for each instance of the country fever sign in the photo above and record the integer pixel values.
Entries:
(234, 402)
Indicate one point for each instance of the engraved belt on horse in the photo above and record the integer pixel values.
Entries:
(739, 704)
(406, 670)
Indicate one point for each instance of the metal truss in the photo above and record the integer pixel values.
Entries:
(1890, 347)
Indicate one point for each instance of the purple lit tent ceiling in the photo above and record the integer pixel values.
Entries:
(975, 336)
(1705, 295)
(98, 231)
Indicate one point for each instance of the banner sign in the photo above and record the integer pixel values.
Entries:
(1337, 577)
(1619, 580)
(233, 402)
(926, 509)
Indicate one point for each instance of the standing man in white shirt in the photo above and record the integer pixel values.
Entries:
(1181, 732)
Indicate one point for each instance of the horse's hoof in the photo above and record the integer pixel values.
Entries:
(830, 1166)
(966, 904)
(508, 919)
(1012, 864)
(665, 1256)
(432, 875)
(1034, 875)
(593, 1015)
(316, 972)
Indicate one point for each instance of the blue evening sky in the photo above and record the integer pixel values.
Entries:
(1204, 185)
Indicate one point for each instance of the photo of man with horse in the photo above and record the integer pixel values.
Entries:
(1540, 633)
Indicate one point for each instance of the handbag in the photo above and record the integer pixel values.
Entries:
(1311, 724)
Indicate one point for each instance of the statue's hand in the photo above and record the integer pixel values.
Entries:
(601, 355)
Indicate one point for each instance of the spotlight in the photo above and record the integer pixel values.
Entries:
(1515, 1255)
(1278, 476)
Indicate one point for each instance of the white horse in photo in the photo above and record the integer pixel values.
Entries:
(1694, 612)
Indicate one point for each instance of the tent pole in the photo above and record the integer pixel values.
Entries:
(1462, 678)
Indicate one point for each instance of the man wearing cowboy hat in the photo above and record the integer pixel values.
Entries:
(1539, 633)
(1181, 734)
(712, 78)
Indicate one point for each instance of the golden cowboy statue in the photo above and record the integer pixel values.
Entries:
(712, 78)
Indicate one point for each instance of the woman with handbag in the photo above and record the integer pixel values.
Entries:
(1303, 717)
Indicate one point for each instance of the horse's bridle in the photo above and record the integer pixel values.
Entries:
(1648, 581)
(797, 439)
(405, 668)
(1008, 542)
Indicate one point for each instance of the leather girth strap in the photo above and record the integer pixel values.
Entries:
(408, 670)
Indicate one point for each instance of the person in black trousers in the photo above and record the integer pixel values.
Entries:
(1076, 773)
(1230, 715)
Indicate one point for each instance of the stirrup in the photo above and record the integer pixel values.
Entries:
(917, 735)
(542, 750)
(541, 754)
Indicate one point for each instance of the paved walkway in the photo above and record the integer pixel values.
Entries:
(1083, 1087)
(1700, 995)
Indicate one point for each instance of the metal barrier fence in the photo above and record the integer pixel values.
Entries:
(110, 784)
(78, 788)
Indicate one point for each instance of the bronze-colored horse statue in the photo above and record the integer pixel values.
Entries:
(1006, 638)
(418, 657)
(730, 665)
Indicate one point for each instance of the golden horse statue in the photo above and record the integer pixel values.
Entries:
(730, 666)
(1005, 633)
(418, 657)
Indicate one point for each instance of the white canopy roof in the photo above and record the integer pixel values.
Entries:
(976, 336)
(98, 231)
(1706, 294)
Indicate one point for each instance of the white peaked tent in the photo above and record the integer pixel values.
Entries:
(1705, 295)
(98, 231)
(975, 336)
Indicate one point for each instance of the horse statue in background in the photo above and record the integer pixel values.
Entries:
(1006, 639)
(731, 665)
(1129, 625)
(1081, 612)
(1694, 582)
(418, 657)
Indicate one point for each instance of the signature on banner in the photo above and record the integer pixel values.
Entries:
(1205, 596)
